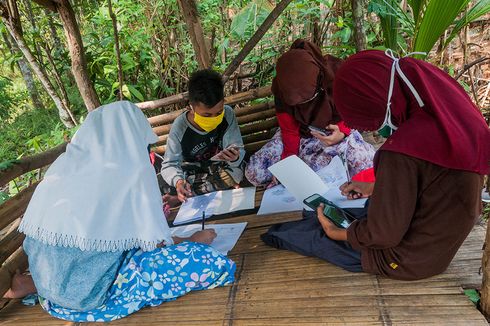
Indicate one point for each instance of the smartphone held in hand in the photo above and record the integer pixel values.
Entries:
(337, 215)
(218, 158)
(321, 131)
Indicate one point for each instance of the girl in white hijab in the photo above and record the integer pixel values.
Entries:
(95, 224)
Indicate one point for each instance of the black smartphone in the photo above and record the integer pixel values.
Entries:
(323, 132)
(334, 213)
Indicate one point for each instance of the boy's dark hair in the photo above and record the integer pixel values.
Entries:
(206, 86)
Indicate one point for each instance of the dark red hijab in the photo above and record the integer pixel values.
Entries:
(448, 130)
(300, 73)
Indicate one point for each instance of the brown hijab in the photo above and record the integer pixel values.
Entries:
(303, 86)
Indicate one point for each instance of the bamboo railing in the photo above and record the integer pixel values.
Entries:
(257, 123)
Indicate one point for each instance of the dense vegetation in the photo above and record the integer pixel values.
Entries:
(157, 55)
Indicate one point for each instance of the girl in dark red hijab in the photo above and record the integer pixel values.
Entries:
(426, 198)
(302, 90)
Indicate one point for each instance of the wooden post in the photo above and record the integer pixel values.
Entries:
(77, 54)
(191, 16)
(275, 13)
(18, 261)
(485, 288)
(358, 17)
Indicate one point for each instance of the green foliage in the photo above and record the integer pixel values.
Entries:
(433, 21)
(481, 8)
(428, 22)
(249, 19)
(10, 98)
(473, 295)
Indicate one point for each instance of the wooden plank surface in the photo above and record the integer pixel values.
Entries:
(277, 287)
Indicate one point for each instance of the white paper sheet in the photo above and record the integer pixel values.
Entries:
(215, 203)
(234, 200)
(192, 208)
(298, 178)
(227, 234)
(304, 182)
(278, 199)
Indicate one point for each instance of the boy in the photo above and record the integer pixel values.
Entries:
(209, 129)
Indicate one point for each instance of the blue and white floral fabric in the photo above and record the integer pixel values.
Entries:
(151, 278)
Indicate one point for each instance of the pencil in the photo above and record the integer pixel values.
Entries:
(203, 218)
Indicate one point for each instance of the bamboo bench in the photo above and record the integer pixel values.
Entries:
(272, 287)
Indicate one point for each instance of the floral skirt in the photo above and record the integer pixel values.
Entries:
(151, 278)
(313, 152)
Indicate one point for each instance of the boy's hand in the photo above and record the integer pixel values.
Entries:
(183, 190)
(229, 154)
(336, 137)
(205, 236)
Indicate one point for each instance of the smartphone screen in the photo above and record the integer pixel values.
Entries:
(332, 212)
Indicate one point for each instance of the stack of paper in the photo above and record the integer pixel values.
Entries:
(227, 234)
(304, 182)
(215, 203)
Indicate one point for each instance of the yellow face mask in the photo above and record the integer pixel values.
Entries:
(208, 123)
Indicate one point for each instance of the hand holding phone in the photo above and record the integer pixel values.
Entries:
(321, 131)
(335, 214)
(230, 153)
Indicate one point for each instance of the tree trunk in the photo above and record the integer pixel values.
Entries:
(275, 13)
(52, 29)
(26, 73)
(77, 54)
(118, 51)
(485, 288)
(12, 23)
(191, 16)
(358, 18)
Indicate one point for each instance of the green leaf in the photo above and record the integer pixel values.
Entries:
(472, 295)
(434, 20)
(481, 8)
(3, 197)
(136, 93)
(7, 164)
(126, 92)
(252, 15)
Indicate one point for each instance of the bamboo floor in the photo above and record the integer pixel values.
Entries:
(276, 287)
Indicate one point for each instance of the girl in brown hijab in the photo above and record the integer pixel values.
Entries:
(303, 89)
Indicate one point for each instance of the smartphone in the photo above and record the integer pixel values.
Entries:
(334, 213)
(323, 132)
(218, 159)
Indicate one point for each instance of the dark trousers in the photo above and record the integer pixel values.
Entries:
(307, 238)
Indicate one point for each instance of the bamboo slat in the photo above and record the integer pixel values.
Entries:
(15, 206)
(31, 163)
(18, 261)
(169, 117)
(10, 242)
(259, 126)
(259, 116)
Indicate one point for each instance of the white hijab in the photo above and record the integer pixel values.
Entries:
(101, 194)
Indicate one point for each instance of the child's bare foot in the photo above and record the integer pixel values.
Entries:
(171, 200)
(21, 286)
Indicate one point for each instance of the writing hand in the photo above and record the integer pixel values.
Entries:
(356, 189)
(334, 138)
(205, 236)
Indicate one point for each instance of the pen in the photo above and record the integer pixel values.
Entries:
(349, 180)
(203, 217)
